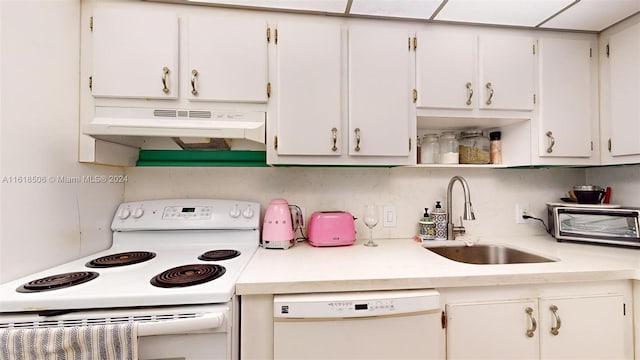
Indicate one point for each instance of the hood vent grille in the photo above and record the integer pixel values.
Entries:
(200, 114)
(164, 113)
(193, 114)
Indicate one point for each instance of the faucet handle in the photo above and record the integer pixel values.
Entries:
(458, 231)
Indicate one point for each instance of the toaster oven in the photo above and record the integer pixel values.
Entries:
(599, 224)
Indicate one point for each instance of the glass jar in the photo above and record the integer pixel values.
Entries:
(474, 147)
(448, 148)
(430, 149)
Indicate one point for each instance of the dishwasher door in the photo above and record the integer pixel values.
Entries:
(359, 325)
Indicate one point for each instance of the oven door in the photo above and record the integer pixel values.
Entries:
(612, 226)
(184, 332)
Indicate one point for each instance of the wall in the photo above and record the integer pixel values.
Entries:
(623, 180)
(494, 192)
(45, 220)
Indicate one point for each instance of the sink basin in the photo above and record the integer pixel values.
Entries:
(488, 254)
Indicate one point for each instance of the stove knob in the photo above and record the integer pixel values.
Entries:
(138, 212)
(124, 213)
(248, 213)
(234, 212)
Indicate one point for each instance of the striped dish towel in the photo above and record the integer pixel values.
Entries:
(95, 342)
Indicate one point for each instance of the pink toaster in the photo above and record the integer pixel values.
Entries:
(332, 228)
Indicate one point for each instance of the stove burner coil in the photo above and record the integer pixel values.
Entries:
(121, 259)
(188, 275)
(217, 255)
(58, 281)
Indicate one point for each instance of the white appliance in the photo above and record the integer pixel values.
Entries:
(172, 268)
(123, 125)
(404, 324)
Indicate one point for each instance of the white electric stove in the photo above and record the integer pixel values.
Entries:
(172, 267)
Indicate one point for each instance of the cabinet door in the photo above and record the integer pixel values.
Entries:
(506, 75)
(308, 89)
(492, 330)
(379, 92)
(624, 58)
(566, 119)
(227, 59)
(445, 69)
(135, 54)
(587, 328)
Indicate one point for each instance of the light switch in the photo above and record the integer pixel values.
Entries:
(389, 216)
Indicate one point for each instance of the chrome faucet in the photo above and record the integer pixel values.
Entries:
(468, 208)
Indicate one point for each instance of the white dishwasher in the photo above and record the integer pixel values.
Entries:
(395, 324)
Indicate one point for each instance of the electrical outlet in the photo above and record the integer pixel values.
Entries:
(389, 216)
(521, 209)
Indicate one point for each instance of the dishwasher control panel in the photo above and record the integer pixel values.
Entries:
(355, 304)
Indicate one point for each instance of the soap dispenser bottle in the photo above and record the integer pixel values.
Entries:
(427, 226)
(439, 216)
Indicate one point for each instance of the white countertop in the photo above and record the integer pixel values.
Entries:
(405, 264)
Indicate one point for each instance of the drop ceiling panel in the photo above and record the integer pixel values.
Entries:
(411, 9)
(326, 6)
(501, 12)
(593, 15)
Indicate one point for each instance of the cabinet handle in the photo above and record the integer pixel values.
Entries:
(194, 77)
(532, 319)
(469, 93)
(555, 329)
(490, 88)
(357, 131)
(165, 74)
(334, 134)
(553, 141)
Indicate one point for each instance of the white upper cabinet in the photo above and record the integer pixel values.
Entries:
(506, 77)
(135, 54)
(624, 67)
(308, 89)
(227, 59)
(461, 70)
(568, 124)
(445, 69)
(380, 92)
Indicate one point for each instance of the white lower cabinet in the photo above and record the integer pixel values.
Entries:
(587, 326)
(491, 330)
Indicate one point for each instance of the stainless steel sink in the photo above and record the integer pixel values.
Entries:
(488, 254)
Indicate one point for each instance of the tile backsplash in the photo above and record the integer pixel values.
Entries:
(494, 192)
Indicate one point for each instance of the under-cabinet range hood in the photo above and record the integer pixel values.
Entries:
(119, 124)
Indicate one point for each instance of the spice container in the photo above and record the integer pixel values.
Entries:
(495, 156)
(448, 148)
(474, 147)
(430, 149)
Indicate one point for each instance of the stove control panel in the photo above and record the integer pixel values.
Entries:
(190, 212)
(186, 214)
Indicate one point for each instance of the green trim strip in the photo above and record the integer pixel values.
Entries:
(218, 158)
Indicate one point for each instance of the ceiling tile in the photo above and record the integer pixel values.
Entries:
(501, 12)
(410, 9)
(593, 15)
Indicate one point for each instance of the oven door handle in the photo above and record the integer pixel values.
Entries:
(179, 326)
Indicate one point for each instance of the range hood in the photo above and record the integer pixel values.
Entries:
(118, 124)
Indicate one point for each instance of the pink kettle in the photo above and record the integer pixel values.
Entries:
(279, 226)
